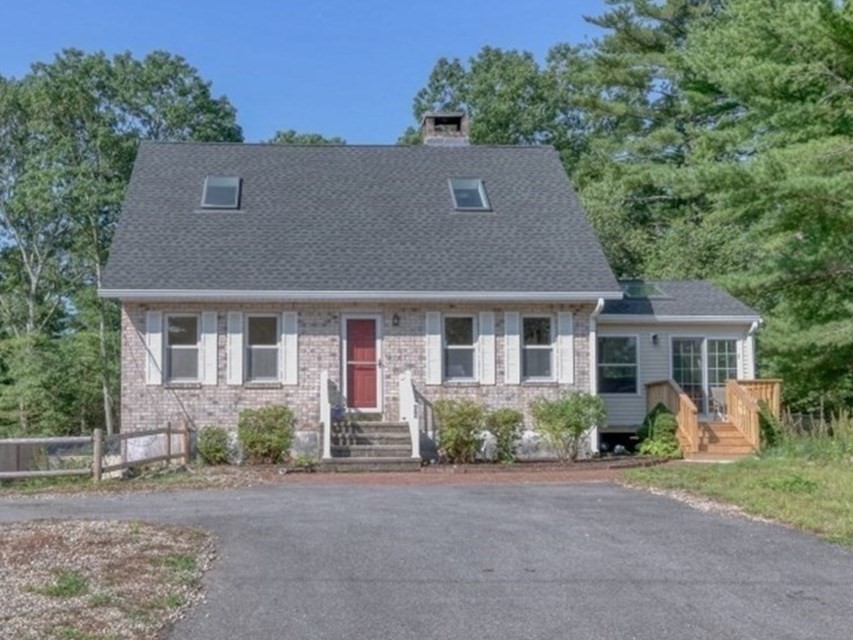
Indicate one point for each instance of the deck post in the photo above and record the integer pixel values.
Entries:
(97, 453)
(168, 444)
(185, 443)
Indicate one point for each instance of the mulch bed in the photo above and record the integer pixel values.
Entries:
(233, 477)
(533, 466)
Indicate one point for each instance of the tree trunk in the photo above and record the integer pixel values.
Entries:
(109, 404)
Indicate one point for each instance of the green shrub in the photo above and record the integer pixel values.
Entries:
(459, 425)
(266, 434)
(564, 422)
(645, 430)
(305, 462)
(657, 434)
(213, 445)
(770, 427)
(505, 425)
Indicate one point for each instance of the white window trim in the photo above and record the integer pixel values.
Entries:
(639, 386)
(168, 378)
(475, 347)
(552, 348)
(247, 348)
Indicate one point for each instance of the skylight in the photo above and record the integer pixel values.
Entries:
(469, 194)
(221, 192)
(638, 289)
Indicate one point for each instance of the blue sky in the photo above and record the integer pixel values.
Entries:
(346, 68)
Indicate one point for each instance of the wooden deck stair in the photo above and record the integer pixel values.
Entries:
(718, 441)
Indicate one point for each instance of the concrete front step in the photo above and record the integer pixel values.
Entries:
(347, 439)
(371, 451)
(370, 427)
(371, 464)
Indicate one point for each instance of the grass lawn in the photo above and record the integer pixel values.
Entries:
(816, 495)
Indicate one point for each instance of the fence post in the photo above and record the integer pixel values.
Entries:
(168, 444)
(97, 453)
(185, 443)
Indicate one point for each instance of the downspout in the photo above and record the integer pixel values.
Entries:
(593, 370)
(750, 347)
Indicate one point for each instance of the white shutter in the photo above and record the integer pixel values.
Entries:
(512, 347)
(235, 348)
(154, 346)
(433, 347)
(289, 356)
(565, 348)
(487, 347)
(209, 347)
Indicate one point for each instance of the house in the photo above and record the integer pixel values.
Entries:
(376, 279)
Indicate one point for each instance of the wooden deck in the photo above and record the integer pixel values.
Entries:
(736, 436)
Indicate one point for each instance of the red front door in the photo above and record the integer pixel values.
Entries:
(362, 365)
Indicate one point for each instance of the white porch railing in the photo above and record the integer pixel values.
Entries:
(410, 411)
(326, 414)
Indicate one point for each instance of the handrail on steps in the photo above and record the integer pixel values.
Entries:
(326, 413)
(410, 411)
(743, 412)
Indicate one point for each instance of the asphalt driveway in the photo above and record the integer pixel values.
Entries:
(583, 561)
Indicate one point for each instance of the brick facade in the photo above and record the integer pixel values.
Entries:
(403, 348)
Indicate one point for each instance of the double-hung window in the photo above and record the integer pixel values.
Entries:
(182, 348)
(617, 364)
(460, 346)
(262, 348)
(537, 348)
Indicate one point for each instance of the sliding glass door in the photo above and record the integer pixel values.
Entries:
(701, 367)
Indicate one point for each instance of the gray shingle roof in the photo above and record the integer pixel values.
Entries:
(343, 218)
(682, 298)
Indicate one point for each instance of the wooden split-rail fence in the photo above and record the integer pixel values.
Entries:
(17, 452)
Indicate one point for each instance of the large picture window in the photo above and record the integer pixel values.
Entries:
(182, 348)
(262, 348)
(459, 348)
(617, 364)
(537, 349)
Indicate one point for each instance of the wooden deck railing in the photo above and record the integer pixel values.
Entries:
(668, 393)
(768, 389)
(742, 412)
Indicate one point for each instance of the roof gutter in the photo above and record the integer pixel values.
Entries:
(627, 318)
(200, 295)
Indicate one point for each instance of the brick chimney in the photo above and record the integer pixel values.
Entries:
(447, 128)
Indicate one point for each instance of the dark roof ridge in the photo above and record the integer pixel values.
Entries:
(226, 143)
